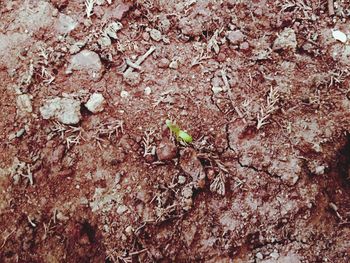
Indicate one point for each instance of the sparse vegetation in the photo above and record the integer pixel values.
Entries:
(179, 134)
(91, 170)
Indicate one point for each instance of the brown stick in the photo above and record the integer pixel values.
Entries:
(331, 7)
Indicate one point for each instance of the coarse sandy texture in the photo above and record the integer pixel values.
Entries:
(262, 87)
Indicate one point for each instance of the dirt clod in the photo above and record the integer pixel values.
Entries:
(166, 150)
(65, 110)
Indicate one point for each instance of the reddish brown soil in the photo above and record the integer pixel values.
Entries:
(261, 86)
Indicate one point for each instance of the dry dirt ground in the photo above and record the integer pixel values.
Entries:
(90, 172)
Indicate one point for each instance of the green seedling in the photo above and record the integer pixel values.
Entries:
(180, 134)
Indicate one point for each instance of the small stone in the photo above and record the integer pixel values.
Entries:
(20, 133)
(320, 170)
(65, 24)
(124, 94)
(174, 64)
(244, 46)
(286, 40)
(61, 217)
(129, 230)
(156, 35)
(274, 255)
(88, 62)
(163, 63)
(216, 90)
(95, 103)
(166, 151)
(122, 209)
(187, 192)
(148, 91)
(24, 104)
(259, 256)
(65, 110)
(181, 179)
(235, 37)
(145, 36)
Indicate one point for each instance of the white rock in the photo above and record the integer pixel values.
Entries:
(65, 24)
(156, 35)
(216, 90)
(187, 192)
(339, 35)
(124, 94)
(148, 91)
(24, 104)
(181, 179)
(88, 62)
(259, 256)
(320, 170)
(235, 37)
(65, 110)
(274, 255)
(174, 64)
(95, 103)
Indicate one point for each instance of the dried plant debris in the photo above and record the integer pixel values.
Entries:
(107, 129)
(269, 108)
(71, 135)
(148, 143)
(21, 169)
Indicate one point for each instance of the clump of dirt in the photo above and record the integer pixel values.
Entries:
(90, 172)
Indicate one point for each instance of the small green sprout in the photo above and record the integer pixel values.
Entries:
(180, 134)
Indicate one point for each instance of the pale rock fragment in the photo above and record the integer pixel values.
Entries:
(65, 110)
(95, 103)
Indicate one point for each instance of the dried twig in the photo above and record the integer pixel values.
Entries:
(6, 238)
(140, 60)
(331, 7)
(218, 184)
(147, 142)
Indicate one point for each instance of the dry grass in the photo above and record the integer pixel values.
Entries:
(147, 142)
(108, 129)
(268, 109)
(89, 5)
